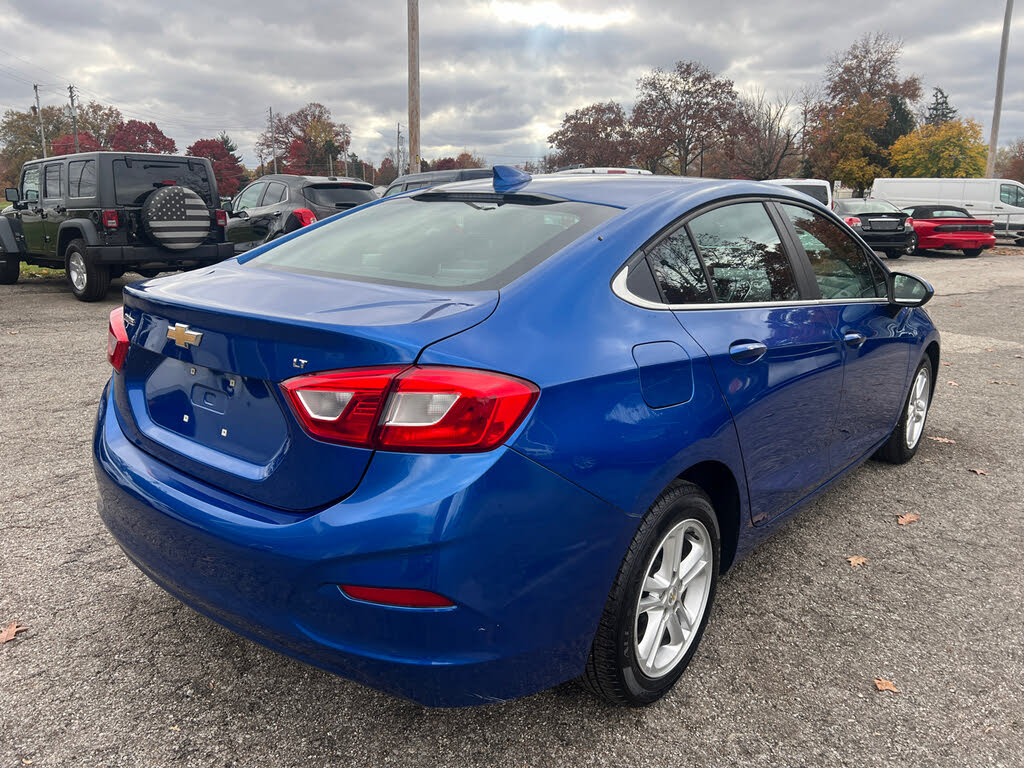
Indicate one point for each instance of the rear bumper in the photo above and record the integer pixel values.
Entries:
(527, 558)
(958, 241)
(883, 240)
(148, 254)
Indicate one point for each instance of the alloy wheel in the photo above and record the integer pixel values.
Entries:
(917, 408)
(76, 271)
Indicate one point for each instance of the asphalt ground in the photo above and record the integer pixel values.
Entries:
(112, 671)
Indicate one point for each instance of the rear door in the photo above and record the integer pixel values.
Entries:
(875, 351)
(54, 210)
(776, 354)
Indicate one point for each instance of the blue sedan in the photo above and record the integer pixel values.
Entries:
(467, 443)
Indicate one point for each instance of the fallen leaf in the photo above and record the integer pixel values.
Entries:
(930, 461)
(175, 728)
(946, 364)
(996, 365)
(943, 440)
(990, 350)
(908, 518)
(957, 304)
(13, 333)
(978, 471)
(1007, 383)
(989, 729)
(856, 561)
(953, 384)
(1019, 357)
(26, 761)
(886, 685)
(10, 631)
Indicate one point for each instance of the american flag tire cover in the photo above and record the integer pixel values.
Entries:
(176, 218)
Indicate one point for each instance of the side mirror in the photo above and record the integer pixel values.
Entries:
(239, 215)
(12, 194)
(909, 290)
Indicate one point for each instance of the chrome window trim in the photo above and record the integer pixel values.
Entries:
(620, 290)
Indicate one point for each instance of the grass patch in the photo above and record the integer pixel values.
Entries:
(43, 273)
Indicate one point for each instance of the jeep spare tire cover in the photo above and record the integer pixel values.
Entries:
(176, 218)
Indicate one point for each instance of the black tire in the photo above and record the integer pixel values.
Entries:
(9, 271)
(613, 671)
(912, 245)
(898, 448)
(973, 253)
(893, 254)
(94, 279)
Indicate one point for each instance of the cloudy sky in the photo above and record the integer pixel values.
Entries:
(496, 76)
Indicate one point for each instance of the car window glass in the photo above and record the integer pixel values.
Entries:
(30, 184)
(391, 191)
(51, 181)
(744, 255)
(275, 193)
(135, 179)
(250, 196)
(949, 213)
(840, 267)
(678, 271)
(82, 178)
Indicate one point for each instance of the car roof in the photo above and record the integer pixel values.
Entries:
(286, 177)
(130, 155)
(627, 190)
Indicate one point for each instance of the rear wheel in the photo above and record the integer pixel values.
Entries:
(659, 604)
(972, 252)
(89, 281)
(893, 254)
(912, 245)
(9, 271)
(905, 439)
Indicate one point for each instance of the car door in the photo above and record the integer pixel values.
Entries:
(266, 217)
(54, 211)
(876, 350)
(775, 353)
(239, 228)
(31, 214)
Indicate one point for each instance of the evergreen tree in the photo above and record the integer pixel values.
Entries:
(939, 112)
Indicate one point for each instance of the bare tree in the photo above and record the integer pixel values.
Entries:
(761, 139)
(870, 67)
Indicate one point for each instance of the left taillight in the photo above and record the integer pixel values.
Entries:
(117, 339)
(420, 409)
(222, 217)
(305, 216)
(110, 218)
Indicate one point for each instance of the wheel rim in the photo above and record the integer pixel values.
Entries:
(673, 598)
(917, 408)
(76, 268)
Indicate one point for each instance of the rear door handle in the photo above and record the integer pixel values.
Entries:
(854, 339)
(746, 352)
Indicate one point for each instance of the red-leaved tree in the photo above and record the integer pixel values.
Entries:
(137, 136)
(226, 166)
(65, 145)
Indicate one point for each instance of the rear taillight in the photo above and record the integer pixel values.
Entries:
(418, 409)
(853, 221)
(909, 223)
(222, 218)
(305, 216)
(109, 219)
(117, 339)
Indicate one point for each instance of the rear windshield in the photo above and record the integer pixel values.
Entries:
(337, 195)
(470, 244)
(135, 180)
(866, 206)
(818, 191)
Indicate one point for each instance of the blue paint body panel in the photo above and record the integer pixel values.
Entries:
(241, 514)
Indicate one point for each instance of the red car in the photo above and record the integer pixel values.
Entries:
(947, 227)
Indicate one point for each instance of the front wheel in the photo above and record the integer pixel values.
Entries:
(10, 269)
(89, 281)
(972, 253)
(906, 438)
(660, 602)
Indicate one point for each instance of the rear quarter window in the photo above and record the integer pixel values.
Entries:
(470, 244)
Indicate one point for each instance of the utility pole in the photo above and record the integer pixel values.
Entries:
(414, 85)
(993, 144)
(273, 136)
(74, 114)
(39, 111)
(398, 149)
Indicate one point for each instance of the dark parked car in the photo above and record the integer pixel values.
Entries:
(280, 203)
(466, 444)
(882, 225)
(434, 178)
(100, 214)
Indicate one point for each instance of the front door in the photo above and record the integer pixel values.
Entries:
(777, 356)
(32, 214)
(239, 229)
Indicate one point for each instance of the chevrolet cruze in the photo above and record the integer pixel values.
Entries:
(467, 443)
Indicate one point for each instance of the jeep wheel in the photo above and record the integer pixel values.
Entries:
(9, 271)
(89, 281)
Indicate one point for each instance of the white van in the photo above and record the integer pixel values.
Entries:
(1001, 200)
(819, 189)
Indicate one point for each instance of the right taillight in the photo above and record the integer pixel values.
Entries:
(117, 339)
(416, 409)
(110, 218)
(853, 221)
(305, 216)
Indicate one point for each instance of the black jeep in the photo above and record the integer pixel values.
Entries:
(100, 214)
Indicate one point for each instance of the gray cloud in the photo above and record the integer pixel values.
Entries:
(496, 76)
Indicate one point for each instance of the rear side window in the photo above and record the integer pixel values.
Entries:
(818, 191)
(744, 255)
(678, 271)
(841, 268)
(134, 180)
(337, 195)
(474, 243)
(275, 193)
(51, 181)
(1011, 194)
(82, 178)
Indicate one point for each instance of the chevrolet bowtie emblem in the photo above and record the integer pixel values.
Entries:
(183, 336)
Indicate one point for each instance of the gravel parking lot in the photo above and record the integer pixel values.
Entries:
(112, 671)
